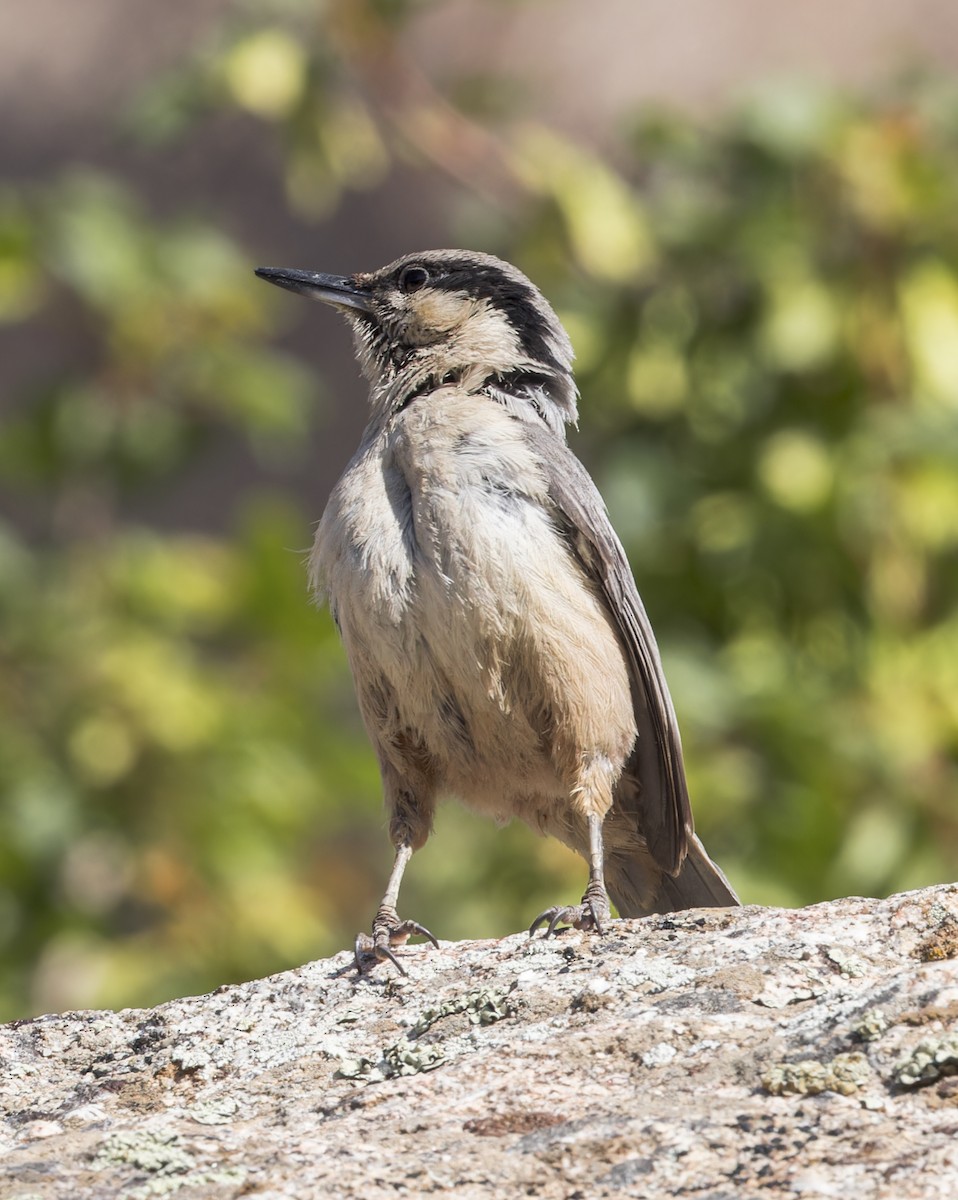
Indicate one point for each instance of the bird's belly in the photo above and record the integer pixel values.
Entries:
(502, 661)
(471, 628)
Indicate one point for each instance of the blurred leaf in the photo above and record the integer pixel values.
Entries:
(929, 301)
(791, 117)
(606, 224)
(266, 72)
(796, 470)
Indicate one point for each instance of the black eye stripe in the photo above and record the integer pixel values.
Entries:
(412, 278)
(512, 294)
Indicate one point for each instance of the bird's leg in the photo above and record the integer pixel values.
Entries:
(388, 930)
(594, 910)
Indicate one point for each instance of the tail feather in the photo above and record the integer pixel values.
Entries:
(638, 887)
(700, 883)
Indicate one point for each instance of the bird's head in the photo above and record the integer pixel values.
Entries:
(450, 316)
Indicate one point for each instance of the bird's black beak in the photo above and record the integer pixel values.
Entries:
(339, 290)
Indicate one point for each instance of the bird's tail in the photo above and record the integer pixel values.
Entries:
(638, 888)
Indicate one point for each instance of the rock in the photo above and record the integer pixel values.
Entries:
(752, 1052)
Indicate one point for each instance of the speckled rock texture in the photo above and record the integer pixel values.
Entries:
(755, 1052)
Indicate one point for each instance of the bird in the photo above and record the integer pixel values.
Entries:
(499, 649)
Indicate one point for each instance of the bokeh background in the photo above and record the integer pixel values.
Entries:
(745, 215)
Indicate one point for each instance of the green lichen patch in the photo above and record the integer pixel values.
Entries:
(932, 1059)
(401, 1058)
(158, 1152)
(361, 1067)
(848, 965)
(410, 1057)
(870, 1025)
(482, 1007)
(845, 1074)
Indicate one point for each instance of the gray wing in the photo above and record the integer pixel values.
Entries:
(653, 788)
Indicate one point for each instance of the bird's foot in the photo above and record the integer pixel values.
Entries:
(592, 913)
(388, 931)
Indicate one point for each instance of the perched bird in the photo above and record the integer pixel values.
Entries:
(498, 645)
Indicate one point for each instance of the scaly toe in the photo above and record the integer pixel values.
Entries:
(406, 929)
(587, 915)
(388, 931)
(558, 915)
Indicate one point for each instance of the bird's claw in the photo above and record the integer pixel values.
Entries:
(388, 931)
(592, 913)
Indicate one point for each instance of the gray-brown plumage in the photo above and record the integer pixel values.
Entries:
(499, 648)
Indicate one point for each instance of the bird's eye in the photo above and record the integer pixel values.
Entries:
(411, 279)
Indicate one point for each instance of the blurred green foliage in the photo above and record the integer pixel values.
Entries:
(765, 311)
